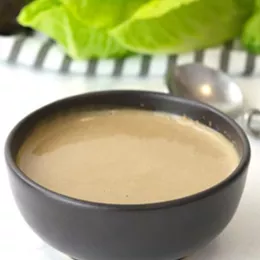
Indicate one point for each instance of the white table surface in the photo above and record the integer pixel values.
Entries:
(22, 91)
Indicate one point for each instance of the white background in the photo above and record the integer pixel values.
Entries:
(23, 90)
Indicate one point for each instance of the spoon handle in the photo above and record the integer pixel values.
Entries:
(252, 120)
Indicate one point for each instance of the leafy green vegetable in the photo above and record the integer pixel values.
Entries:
(251, 34)
(79, 40)
(183, 25)
(103, 13)
(114, 28)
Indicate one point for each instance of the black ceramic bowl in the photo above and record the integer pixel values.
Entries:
(159, 231)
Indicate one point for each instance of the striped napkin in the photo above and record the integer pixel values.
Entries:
(40, 53)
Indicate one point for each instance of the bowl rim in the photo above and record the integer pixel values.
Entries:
(243, 163)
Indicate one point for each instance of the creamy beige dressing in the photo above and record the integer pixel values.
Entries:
(126, 156)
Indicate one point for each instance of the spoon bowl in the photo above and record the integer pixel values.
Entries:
(198, 82)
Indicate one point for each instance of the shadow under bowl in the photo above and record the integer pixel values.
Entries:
(159, 231)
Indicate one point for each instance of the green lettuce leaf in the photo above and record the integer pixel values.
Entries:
(103, 13)
(251, 34)
(79, 40)
(113, 28)
(182, 25)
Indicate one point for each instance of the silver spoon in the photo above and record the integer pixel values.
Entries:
(198, 82)
(251, 121)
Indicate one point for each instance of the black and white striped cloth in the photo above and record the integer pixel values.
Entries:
(41, 53)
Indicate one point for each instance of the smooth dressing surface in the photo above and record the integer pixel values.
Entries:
(126, 156)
